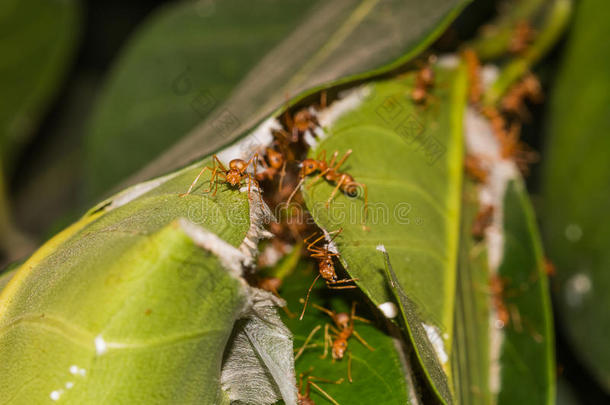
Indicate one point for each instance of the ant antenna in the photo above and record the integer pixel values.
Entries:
(295, 190)
(307, 298)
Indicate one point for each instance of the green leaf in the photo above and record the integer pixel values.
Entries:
(378, 376)
(215, 71)
(527, 353)
(38, 39)
(576, 188)
(125, 291)
(471, 359)
(410, 159)
(491, 361)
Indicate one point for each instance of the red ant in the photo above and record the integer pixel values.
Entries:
(274, 164)
(337, 337)
(474, 67)
(330, 171)
(326, 267)
(474, 167)
(234, 175)
(424, 80)
(496, 287)
(523, 36)
(518, 151)
(482, 221)
(273, 284)
(528, 88)
(303, 120)
(305, 399)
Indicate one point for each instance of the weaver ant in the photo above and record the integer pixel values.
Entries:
(522, 38)
(337, 337)
(305, 399)
(474, 167)
(303, 120)
(482, 221)
(474, 66)
(234, 175)
(528, 88)
(424, 80)
(274, 163)
(518, 151)
(326, 267)
(330, 171)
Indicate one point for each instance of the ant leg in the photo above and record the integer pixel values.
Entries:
(321, 155)
(343, 159)
(333, 158)
(309, 237)
(358, 318)
(219, 163)
(326, 339)
(307, 298)
(212, 180)
(343, 287)
(196, 180)
(326, 311)
(349, 367)
(332, 195)
(345, 280)
(309, 382)
(515, 317)
(215, 182)
(361, 340)
(282, 175)
(309, 337)
(314, 242)
(315, 179)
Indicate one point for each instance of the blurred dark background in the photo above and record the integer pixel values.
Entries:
(45, 188)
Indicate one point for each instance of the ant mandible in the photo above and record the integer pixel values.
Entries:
(326, 267)
(234, 175)
(305, 399)
(330, 171)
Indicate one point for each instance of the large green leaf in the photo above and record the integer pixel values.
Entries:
(527, 354)
(471, 339)
(125, 291)
(513, 363)
(378, 376)
(215, 71)
(410, 159)
(37, 40)
(577, 187)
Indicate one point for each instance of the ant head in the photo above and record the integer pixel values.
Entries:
(308, 166)
(233, 176)
(339, 348)
(238, 165)
(276, 159)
